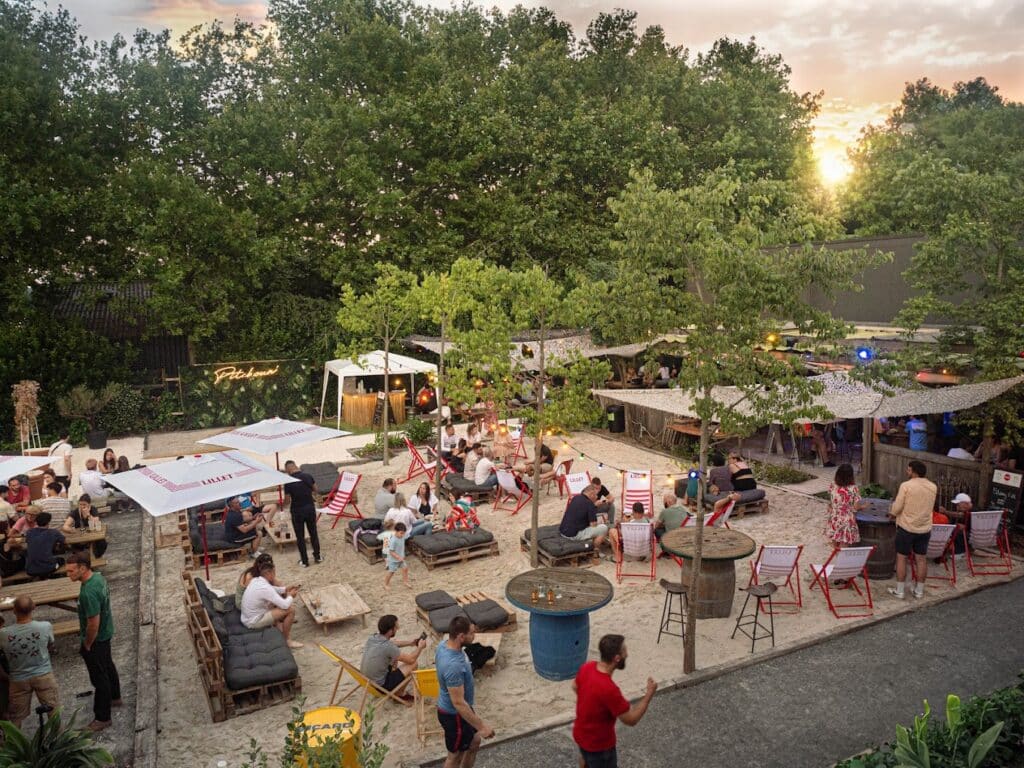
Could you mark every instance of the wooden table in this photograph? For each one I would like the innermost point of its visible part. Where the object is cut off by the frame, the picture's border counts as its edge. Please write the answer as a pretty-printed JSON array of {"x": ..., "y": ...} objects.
[
  {"x": 722, "y": 548},
  {"x": 877, "y": 529},
  {"x": 82, "y": 537},
  {"x": 338, "y": 602},
  {"x": 559, "y": 631},
  {"x": 55, "y": 592}
]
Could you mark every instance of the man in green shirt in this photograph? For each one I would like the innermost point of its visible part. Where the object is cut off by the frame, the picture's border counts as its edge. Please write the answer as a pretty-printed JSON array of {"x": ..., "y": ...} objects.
[
  {"x": 96, "y": 628},
  {"x": 671, "y": 517}
]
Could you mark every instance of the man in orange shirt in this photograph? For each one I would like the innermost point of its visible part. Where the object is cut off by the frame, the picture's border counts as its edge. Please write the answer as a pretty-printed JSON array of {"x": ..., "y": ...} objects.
[{"x": 912, "y": 509}]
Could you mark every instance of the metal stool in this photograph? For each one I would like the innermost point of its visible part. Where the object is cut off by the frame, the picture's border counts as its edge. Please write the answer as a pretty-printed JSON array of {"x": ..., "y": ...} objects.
[
  {"x": 673, "y": 589},
  {"x": 760, "y": 592}
]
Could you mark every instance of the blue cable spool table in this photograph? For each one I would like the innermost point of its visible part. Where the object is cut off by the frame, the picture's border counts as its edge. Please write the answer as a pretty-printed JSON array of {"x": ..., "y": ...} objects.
[{"x": 560, "y": 629}]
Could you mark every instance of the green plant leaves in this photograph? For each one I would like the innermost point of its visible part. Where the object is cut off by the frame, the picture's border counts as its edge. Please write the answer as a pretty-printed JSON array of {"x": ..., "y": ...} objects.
[{"x": 981, "y": 746}]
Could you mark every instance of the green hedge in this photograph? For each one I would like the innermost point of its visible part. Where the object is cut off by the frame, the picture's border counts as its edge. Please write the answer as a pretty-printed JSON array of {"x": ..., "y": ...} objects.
[{"x": 213, "y": 398}]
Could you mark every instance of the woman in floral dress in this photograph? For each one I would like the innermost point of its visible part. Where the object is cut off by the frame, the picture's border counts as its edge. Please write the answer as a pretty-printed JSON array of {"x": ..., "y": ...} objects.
[{"x": 844, "y": 502}]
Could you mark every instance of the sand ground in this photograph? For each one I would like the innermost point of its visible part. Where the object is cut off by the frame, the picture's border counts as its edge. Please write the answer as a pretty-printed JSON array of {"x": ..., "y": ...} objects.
[{"x": 512, "y": 697}]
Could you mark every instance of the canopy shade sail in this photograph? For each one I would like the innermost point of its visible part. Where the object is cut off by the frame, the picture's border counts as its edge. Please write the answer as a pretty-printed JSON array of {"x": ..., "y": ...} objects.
[
  {"x": 843, "y": 397},
  {"x": 12, "y": 466},
  {"x": 175, "y": 485},
  {"x": 370, "y": 364},
  {"x": 273, "y": 436}
]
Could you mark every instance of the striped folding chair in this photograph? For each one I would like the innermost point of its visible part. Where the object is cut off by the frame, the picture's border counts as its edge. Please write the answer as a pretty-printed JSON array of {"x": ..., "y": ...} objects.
[
  {"x": 940, "y": 547},
  {"x": 340, "y": 497},
  {"x": 636, "y": 539},
  {"x": 511, "y": 497},
  {"x": 781, "y": 565},
  {"x": 518, "y": 436},
  {"x": 988, "y": 544},
  {"x": 563, "y": 469},
  {"x": 846, "y": 566},
  {"x": 638, "y": 485},
  {"x": 417, "y": 466}
]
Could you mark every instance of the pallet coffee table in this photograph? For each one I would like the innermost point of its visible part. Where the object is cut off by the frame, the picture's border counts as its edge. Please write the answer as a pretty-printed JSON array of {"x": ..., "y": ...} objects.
[{"x": 334, "y": 603}]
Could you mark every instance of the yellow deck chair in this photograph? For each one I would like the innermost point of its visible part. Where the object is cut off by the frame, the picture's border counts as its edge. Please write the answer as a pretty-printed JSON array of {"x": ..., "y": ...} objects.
[
  {"x": 425, "y": 686},
  {"x": 364, "y": 683}
]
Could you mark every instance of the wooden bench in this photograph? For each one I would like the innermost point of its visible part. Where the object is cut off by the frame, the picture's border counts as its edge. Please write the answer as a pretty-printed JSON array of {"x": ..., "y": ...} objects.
[
  {"x": 20, "y": 577},
  {"x": 546, "y": 559},
  {"x": 471, "y": 597},
  {"x": 62, "y": 628},
  {"x": 461, "y": 555},
  {"x": 209, "y": 653},
  {"x": 373, "y": 553}
]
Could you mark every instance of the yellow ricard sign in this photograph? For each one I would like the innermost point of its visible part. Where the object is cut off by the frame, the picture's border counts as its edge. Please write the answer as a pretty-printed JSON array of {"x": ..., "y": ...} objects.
[{"x": 231, "y": 373}]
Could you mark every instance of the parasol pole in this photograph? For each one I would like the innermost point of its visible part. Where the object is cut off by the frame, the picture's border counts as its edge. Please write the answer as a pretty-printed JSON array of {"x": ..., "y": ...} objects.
[{"x": 206, "y": 550}]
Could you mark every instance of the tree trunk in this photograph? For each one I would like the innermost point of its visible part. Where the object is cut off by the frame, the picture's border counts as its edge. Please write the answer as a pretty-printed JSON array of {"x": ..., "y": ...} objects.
[
  {"x": 387, "y": 392},
  {"x": 988, "y": 431},
  {"x": 439, "y": 420},
  {"x": 690, "y": 643},
  {"x": 539, "y": 394}
]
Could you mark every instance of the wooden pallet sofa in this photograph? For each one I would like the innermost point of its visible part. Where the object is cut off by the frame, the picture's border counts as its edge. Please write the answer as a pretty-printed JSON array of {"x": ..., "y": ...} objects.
[
  {"x": 242, "y": 670},
  {"x": 368, "y": 545},
  {"x": 554, "y": 550},
  {"x": 435, "y": 611},
  {"x": 443, "y": 548},
  {"x": 221, "y": 551},
  {"x": 455, "y": 486}
]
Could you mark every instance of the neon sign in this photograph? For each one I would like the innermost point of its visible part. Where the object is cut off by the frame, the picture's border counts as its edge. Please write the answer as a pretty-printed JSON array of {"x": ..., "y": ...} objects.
[{"x": 234, "y": 373}]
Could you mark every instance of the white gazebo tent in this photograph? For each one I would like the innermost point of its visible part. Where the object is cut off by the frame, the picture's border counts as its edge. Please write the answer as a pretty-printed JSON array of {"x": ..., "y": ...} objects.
[
  {"x": 171, "y": 486},
  {"x": 370, "y": 364}
]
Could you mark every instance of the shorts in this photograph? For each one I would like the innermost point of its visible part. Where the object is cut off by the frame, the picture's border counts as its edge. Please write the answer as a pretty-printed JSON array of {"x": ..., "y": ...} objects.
[
  {"x": 606, "y": 758},
  {"x": 907, "y": 542},
  {"x": 458, "y": 734},
  {"x": 395, "y": 565},
  {"x": 392, "y": 679},
  {"x": 264, "y": 621},
  {"x": 591, "y": 533}
]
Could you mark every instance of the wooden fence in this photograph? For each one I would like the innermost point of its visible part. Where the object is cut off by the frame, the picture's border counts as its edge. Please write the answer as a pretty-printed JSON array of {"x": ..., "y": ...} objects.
[{"x": 953, "y": 476}]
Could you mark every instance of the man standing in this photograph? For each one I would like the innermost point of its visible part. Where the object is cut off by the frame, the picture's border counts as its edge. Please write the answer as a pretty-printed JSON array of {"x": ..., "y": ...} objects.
[
  {"x": 385, "y": 498},
  {"x": 303, "y": 509},
  {"x": 580, "y": 519},
  {"x": 60, "y": 460},
  {"x": 384, "y": 663},
  {"x": 912, "y": 509},
  {"x": 28, "y": 645},
  {"x": 463, "y": 727},
  {"x": 599, "y": 703},
  {"x": 917, "y": 431},
  {"x": 96, "y": 628}
]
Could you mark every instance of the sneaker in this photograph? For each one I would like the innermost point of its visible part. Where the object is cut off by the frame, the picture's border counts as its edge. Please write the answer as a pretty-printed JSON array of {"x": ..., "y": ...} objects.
[
  {"x": 317, "y": 559},
  {"x": 99, "y": 725},
  {"x": 295, "y": 644},
  {"x": 304, "y": 565},
  {"x": 919, "y": 593},
  {"x": 897, "y": 593}
]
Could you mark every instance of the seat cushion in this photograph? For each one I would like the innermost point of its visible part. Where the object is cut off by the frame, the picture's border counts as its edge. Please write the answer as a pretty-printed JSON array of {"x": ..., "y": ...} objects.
[
  {"x": 550, "y": 541},
  {"x": 324, "y": 474},
  {"x": 439, "y": 543},
  {"x": 441, "y": 618},
  {"x": 258, "y": 657},
  {"x": 367, "y": 524},
  {"x": 543, "y": 532},
  {"x": 431, "y": 601},
  {"x": 746, "y": 497},
  {"x": 460, "y": 484},
  {"x": 486, "y": 614}
]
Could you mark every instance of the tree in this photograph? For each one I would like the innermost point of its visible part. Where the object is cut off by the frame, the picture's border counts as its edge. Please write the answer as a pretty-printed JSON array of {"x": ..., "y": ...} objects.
[
  {"x": 705, "y": 252},
  {"x": 383, "y": 315}
]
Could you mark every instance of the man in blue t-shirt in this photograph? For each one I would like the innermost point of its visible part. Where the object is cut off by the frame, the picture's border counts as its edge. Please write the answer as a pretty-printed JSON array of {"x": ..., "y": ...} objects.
[
  {"x": 27, "y": 645},
  {"x": 917, "y": 429},
  {"x": 463, "y": 728},
  {"x": 580, "y": 519}
]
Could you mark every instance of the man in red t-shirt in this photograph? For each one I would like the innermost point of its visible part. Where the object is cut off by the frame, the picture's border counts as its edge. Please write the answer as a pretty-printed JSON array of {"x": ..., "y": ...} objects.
[
  {"x": 599, "y": 703},
  {"x": 18, "y": 495}
]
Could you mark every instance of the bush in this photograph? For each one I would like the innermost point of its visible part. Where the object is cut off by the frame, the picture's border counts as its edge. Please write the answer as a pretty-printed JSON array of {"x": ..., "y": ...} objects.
[
  {"x": 778, "y": 474},
  {"x": 874, "y": 491},
  {"x": 376, "y": 448},
  {"x": 420, "y": 432},
  {"x": 123, "y": 412}
]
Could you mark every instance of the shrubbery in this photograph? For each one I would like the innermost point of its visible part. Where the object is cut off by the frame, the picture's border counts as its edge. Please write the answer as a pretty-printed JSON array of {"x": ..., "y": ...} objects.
[{"x": 123, "y": 412}]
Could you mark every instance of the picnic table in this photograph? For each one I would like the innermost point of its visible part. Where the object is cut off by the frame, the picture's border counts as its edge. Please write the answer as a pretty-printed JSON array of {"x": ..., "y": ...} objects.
[
  {"x": 59, "y": 593},
  {"x": 721, "y": 549},
  {"x": 560, "y": 629}
]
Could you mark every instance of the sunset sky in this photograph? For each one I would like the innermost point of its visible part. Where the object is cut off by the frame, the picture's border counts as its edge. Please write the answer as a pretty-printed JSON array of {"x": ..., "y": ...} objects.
[{"x": 859, "y": 52}]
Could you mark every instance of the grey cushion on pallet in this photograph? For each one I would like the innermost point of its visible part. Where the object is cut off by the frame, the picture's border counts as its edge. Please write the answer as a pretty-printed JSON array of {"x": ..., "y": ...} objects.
[
  {"x": 431, "y": 601},
  {"x": 460, "y": 484},
  {"x": 549, "y": 540},
  {"x": 215, "y": 538},
  {"x": 439, "y": 543},
  {"x": 746, "y": 497},
  {"x": 367, "y": 524},
  {"x": 486, "y": 614},
  {"x": 324, "y": 474},
  {"x": 258, "y": 657},
  {"x": 441, "y": 618}
]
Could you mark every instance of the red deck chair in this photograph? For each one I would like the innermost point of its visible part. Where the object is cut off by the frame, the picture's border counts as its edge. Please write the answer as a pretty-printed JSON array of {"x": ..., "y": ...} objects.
[
  {"x": 575, "y": 483},
  {"x": 940, "y": 547},
  {"x": 340, "y": 497},
  {"x": 561, "y": 471},
  {"x": 446, "y": 467},
  {"x": 636, "y": 539},
  {"x": 638, "y": 485},
  {"x": 988, "y": 545},
  {"x": 518, "y": 436},
  {"x": 417, "y": 466},
  {"x": 775, "y": 563},
  {"x": 719, "y": 519},
  {"x": 511, "y": 498},
  {"x": 846, "y": 565}
]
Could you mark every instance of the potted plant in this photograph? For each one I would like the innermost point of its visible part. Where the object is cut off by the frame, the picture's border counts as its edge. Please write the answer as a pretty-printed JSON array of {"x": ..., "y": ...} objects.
[
  {"x": 86, "y": 404},
  {"x": 52, "y": 744}
]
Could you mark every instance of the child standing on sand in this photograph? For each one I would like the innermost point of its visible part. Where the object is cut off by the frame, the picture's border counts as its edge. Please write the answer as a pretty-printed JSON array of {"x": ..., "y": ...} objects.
[{"x": 395, "y": 549}]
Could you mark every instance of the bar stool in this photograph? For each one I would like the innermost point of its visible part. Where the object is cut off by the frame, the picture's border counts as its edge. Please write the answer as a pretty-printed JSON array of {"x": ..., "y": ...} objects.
[
  {"x": 748, "y": 624},
  {"x": 673, "y": 590}
]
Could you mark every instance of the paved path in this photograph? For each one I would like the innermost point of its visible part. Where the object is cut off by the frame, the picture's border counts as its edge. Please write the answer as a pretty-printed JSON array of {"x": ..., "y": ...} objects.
[{"x": 818, "y": 705}]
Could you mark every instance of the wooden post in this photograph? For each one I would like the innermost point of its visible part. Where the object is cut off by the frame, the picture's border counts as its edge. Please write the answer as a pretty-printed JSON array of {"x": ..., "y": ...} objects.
[{"x": 867, "y": 452}]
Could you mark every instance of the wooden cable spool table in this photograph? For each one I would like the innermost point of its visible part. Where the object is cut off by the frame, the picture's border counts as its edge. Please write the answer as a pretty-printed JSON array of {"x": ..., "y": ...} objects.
[
  {"x": 559, "y": 630},
  {"x": 877, "y": 529},
  {"x": 721, "y": 549}
]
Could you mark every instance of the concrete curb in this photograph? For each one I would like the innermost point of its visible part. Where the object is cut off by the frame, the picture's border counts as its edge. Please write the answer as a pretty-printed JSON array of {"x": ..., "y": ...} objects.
[
  {"x": 712, "y": 673},
  {"x": 147, "y": 682}
]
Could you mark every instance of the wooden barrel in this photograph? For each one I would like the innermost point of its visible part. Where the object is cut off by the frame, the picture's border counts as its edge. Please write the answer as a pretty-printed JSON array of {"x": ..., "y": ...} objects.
[
  {"x": 879, "y": 531},
  {"x": 717, "y": 588}
]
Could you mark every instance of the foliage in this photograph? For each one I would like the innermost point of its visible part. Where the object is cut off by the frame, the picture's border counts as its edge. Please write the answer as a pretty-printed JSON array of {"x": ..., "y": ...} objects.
[
  {"x": 987, "y": 730},
  {"x": 123, "y": 412},
  {"x": 419, "y": 431},
  {"x": 210, "y": 403},
  {"x": 779, "y": 474},
  {"x": 55, "y": 745},
  {"x": 375, "y": 448},
  {"x": 874, "y": 491},
  {"x": 86, "y": 404},
  {"x": 162, "y": 410}
]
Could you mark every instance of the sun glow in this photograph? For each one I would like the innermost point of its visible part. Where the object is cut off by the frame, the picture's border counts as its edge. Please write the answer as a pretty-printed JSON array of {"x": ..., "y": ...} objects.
[{"x": 833, "y": 167}]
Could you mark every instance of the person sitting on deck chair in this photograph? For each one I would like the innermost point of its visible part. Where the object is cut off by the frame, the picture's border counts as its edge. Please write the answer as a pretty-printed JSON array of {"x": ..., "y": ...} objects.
[{"x": 384, "y": 663}]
